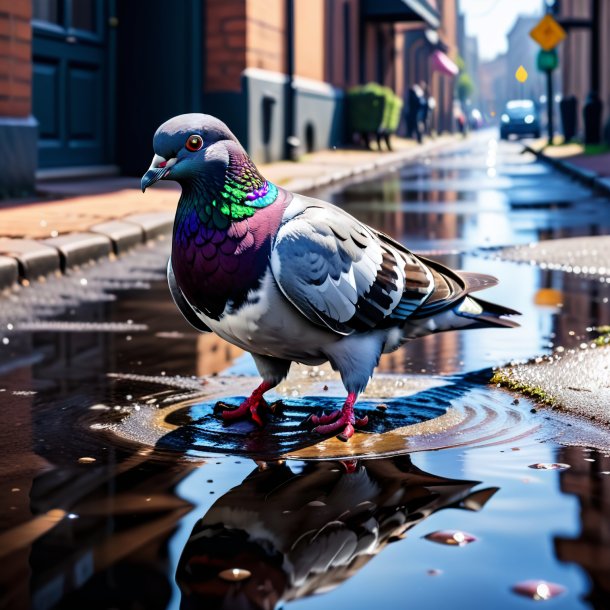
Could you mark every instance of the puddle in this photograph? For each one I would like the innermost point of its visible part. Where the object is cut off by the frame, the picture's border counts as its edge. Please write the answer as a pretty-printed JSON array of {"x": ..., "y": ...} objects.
[{"x": 119, "y": 488}]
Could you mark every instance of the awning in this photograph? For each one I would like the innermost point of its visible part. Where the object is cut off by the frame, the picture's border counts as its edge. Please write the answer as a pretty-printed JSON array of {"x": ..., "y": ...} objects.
[
  {"x": 400, "y": 10},
  {"x": 443, "y": 64}
]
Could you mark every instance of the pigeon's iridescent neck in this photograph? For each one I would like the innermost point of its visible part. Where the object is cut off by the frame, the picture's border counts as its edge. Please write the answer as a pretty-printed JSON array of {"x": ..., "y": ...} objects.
[{"x": 237, "y": 196}]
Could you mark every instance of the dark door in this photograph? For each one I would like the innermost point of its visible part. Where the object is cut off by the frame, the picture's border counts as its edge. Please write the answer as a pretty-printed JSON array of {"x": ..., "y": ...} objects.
[{"x": 70, "y": 84}]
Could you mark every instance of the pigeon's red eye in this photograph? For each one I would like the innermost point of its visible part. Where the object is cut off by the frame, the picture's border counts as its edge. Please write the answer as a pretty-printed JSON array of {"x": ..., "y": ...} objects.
[{"x": 194, "y": 143}]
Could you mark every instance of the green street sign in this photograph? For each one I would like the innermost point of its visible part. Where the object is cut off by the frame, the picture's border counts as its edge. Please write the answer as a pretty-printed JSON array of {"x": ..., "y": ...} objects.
[{"x": 547, "y": 61}]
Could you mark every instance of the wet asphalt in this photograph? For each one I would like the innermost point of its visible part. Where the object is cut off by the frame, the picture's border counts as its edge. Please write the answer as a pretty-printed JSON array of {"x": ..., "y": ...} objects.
[{"x": 118, "y": 489}]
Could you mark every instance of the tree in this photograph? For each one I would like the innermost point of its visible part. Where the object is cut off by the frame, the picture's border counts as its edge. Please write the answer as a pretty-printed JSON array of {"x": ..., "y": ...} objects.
[{"x": 465, "y": 86}]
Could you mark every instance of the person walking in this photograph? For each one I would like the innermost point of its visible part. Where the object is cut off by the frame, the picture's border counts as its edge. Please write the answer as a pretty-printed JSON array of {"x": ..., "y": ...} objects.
[
  {"x": 422, "y": 115},
  {"x": 413, "y": 112}
]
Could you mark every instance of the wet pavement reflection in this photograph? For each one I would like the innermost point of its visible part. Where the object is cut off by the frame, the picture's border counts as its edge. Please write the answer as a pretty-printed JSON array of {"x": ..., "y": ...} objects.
[{"x": 118, "y": 489}]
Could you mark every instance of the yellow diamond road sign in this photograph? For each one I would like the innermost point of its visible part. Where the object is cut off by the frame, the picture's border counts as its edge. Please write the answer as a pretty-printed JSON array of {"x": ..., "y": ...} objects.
[{"x": 548, "y": 33}]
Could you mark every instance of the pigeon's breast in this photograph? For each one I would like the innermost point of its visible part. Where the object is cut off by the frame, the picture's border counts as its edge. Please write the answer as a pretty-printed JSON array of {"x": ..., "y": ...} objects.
[{"x": 217, "y": 267}]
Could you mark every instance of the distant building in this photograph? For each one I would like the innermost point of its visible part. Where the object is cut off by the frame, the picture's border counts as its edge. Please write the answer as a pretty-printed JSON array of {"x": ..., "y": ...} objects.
[
  {"x": 84, "y": 83},
  {"x": 468, "y": 48},
  {"x": 429, "y": 56},
  {"x": 493, "y": 85},
  {"x": 522, "y": 51}
]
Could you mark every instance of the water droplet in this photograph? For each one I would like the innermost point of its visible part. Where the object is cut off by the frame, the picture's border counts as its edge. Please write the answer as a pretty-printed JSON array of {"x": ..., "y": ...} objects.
[
  {"x": 539, "y": 590},
  {"x": 235, "y": 574},
  {"x": 86, "y": 460},
  {"x": 9, "y": 326},
  {"x": 83, "y": 281},
  {"x": 451, "y": 537},
  {"x": 128, "y": 396},
  {"x": 54, "y": 233},
  {"x": 5, "y": 340},
  {"x": 549, "y": 466},
  {"x": 72, "y": 516}
]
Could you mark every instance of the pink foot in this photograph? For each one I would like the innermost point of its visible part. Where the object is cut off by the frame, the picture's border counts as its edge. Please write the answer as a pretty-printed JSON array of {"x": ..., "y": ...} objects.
[
  {"x": 341, "y": 423},
  {"x": 250, "y": 406}
]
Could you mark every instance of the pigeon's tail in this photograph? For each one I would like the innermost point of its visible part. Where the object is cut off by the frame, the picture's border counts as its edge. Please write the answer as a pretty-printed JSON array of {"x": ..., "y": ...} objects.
[
  {"x": 468, "y": 312},
  {"x": 483, "y": 314}
]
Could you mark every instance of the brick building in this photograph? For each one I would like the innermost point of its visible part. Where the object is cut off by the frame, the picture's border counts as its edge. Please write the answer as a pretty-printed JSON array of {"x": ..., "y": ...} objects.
[
  {"x": 428, "y": 56},
  {"x": 83, "y": 85},
  {"x": 584, "y": 55}
]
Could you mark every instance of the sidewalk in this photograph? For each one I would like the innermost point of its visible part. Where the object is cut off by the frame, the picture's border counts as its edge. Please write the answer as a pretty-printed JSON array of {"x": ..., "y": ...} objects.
[
  {"x": 590, "y": 165},
  {"x": 74, "y": 222}
]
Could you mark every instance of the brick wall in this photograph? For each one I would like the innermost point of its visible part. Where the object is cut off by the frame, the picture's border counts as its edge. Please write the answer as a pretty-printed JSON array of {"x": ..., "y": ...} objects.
[
  {"x": 225, "y": 45},
  {"x": 15, "y": 58},
  {"x": 266, "y": 44},
  {"x": 309, "y": 44}
]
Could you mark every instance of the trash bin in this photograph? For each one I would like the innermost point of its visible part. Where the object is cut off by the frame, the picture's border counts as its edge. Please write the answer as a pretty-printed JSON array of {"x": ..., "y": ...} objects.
[
  {"x": 592, "y": 116},
  {"x": 568, "y": 109}
]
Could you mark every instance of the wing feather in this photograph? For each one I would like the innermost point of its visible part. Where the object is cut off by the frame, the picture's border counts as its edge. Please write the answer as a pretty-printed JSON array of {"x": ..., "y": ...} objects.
[{"x": 340, "y": 273}]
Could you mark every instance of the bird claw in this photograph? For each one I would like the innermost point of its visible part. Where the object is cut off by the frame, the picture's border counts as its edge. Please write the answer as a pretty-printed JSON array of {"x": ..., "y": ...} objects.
[
  {"x": 321, "y": 420},
  {"x": 250, "y": 407},
  {"x": 344, "y": 425}
]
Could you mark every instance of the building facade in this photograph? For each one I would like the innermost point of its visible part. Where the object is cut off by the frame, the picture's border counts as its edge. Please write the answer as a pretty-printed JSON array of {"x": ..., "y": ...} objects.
[
  {"x": 84, "y": 85},
  {"x": 584, "y": 55}
]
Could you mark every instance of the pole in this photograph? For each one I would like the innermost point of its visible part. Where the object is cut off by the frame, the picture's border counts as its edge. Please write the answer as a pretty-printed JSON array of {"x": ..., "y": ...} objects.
[
  {"x": 549, "y": 103},
  {"x": 289, "y": 89},
  {"x": 595, "y": 45}
]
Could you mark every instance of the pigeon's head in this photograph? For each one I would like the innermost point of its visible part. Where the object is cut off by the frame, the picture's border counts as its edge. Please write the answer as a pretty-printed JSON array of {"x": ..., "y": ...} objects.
[{"x": 189, "y": 147}]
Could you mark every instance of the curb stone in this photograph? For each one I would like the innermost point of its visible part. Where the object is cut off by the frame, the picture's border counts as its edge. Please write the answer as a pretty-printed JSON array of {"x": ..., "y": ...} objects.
[
  {"x": 585, "y": 176},
  {"x": 79, "y": 248},
  {"x": 34, "y": 259},
  {"x": 123, "y": 235},
  {"x": 152, "y": 224},
  {"x": 9, "y": 272}
]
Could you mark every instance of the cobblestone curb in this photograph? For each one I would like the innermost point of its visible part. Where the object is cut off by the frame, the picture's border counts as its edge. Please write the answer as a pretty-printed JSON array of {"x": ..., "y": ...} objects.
[
  {"x": 585, "y": 176},
  {"x": 34, "y": 259}
]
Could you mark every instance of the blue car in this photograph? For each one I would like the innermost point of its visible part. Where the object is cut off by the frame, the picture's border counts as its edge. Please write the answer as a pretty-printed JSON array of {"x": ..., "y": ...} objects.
[{"x": 520, "y": 118}]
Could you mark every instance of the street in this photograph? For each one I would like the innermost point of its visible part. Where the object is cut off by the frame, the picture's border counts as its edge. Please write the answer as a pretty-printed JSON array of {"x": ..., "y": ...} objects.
[{"x": 118, "y": 483}]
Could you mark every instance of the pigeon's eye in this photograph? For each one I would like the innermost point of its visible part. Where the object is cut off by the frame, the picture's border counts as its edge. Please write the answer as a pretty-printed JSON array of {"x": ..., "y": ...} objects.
[{"x": 194, "y": 143}]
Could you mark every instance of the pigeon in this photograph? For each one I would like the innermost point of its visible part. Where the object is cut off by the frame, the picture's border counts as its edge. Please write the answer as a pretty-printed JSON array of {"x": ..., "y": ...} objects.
[
  {"x": 290, "y": 278},
  {"x": 301, "y": 531}
]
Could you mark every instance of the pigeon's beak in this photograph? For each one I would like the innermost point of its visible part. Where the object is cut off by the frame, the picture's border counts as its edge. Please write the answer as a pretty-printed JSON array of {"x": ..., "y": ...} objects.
[{"x": 159, "y": 168}]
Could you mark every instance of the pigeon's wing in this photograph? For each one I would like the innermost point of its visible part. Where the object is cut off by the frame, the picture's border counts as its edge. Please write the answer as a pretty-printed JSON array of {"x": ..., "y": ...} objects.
[
  {"x": 341, "y": 274},
  {"x": 182, "y": 304},
  {"x": 446, "y": 287}
]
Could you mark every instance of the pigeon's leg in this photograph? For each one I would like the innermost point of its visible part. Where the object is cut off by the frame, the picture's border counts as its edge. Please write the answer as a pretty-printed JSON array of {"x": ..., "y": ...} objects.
[
  {"x": 341, "y": 422},
  {"x": 272, "y": 370},
  {"x": 250, "y": 406}
]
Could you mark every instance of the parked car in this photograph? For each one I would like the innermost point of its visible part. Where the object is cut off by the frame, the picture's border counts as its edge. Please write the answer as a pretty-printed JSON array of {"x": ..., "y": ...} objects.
[
  {"x": 476, "y": 119},
  {"x": 520, "y": 117}
]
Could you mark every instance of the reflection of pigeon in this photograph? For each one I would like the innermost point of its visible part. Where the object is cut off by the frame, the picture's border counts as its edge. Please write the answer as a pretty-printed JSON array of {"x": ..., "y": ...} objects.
[
  {"x": 290, "y": 278},
  {"x": 305, "y": 531}
]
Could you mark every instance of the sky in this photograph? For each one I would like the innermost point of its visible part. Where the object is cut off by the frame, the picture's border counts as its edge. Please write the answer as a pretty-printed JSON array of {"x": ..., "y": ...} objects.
[{"x": 491, "y": 20}]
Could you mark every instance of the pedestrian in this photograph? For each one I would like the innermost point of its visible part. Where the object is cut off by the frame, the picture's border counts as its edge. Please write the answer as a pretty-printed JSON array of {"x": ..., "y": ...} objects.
[
  {"x": 422, "y": 115},
  {"x": 431, "y": 108},
  {"x": 413, "y": 110}
]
